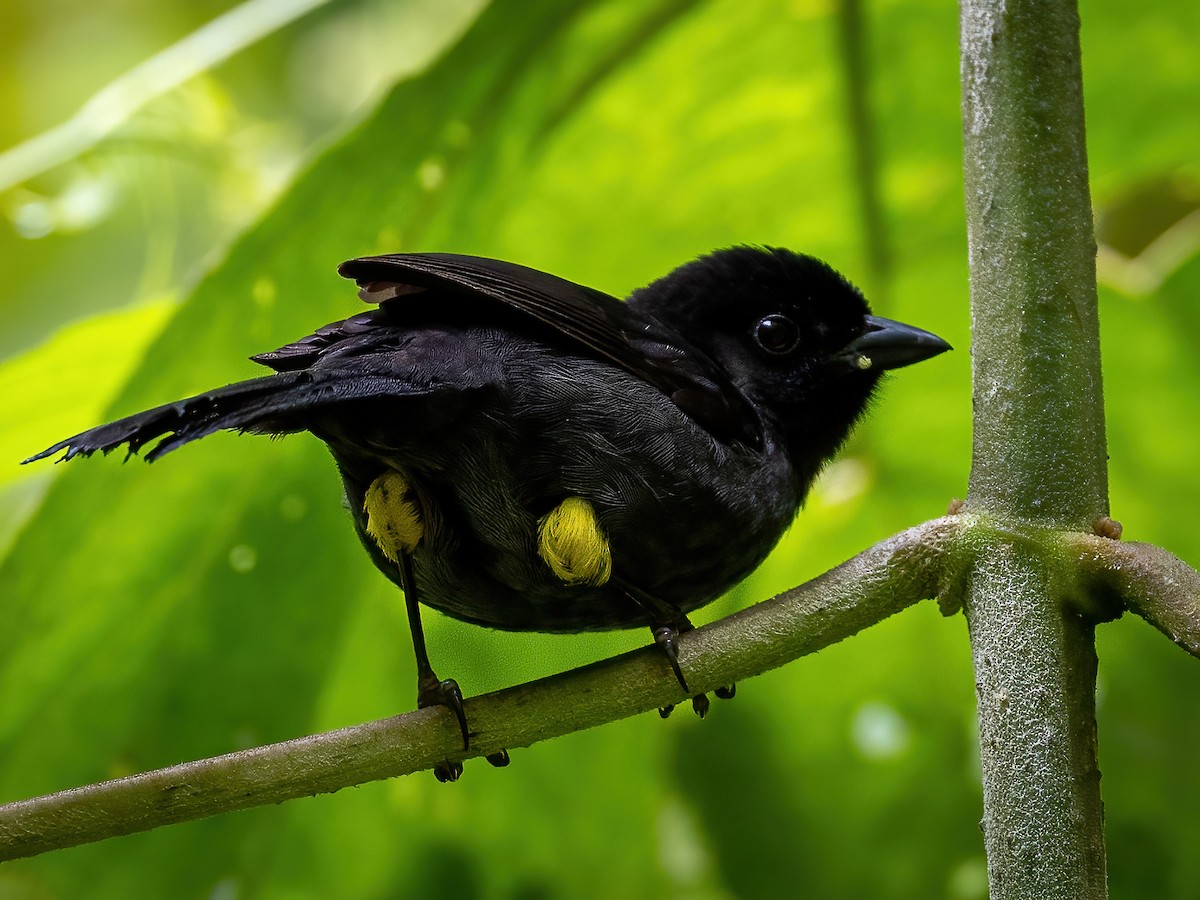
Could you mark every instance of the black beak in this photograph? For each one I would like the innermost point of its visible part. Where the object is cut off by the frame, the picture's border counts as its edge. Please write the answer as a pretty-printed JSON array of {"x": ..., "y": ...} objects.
[{"x": 887, "y": 344}]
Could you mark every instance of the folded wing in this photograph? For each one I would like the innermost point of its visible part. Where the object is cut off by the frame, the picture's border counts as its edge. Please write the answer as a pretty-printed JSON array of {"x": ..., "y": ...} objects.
[{"x": 403, "y": 284}]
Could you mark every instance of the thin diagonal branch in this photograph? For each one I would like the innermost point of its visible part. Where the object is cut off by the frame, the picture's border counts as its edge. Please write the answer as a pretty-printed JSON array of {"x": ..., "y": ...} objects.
[
  {"x": 1155, "y": 584},
  {"x": 877, "y": 583}
]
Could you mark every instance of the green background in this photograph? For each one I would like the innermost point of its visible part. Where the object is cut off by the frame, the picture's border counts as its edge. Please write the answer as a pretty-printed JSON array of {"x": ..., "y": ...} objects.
[{"x": 219, "y": 599}]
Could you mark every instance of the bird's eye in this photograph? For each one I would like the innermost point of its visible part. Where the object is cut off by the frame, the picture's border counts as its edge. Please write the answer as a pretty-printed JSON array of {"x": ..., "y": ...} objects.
[{"x": 777, "y": 334}]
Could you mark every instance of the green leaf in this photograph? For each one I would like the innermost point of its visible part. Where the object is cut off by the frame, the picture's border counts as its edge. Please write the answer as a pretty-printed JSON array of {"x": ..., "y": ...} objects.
[{"x": 84, "y": 365}]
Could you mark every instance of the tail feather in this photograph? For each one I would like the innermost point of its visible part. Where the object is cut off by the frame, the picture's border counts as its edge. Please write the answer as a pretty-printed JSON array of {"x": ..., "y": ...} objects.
[{"x": 276, "y": 404}]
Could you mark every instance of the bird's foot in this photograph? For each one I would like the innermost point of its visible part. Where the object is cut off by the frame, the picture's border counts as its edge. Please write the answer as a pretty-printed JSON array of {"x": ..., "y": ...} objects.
[
  {"x": 700, "y": 702},
  {"x": 448, "y": 770},
  {"x": 432, "y": 692},
  {"x": 667, "y": 639}
]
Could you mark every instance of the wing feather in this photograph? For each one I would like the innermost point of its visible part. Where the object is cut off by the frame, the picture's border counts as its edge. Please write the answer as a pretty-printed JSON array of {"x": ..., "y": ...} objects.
[{"x": 451, "y": 287}]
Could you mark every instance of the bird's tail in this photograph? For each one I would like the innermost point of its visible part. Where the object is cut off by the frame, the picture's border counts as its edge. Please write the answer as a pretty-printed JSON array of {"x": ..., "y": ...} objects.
[{"x": 277, "y": 404}]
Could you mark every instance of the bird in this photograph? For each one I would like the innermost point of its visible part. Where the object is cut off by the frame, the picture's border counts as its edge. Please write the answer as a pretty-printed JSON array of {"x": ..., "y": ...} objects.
[{"x": 526, "y": 453}]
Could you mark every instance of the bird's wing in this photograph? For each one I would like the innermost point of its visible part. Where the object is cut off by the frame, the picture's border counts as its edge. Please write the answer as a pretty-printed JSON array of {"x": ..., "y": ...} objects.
[
  {"x": 590, "y": 317},
  {"x": 443, "y": 287},
  {"x": 276, "y": 404}
]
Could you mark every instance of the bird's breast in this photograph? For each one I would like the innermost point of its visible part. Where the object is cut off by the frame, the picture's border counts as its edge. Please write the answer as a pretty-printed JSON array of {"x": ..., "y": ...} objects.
[{"x": 574, "y": 486}]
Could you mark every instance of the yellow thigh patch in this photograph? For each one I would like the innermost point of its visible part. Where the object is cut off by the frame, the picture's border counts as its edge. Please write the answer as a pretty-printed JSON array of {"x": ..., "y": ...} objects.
[
  {"x": 393, "y": 517},
  {"x": 572, "y": 544}
]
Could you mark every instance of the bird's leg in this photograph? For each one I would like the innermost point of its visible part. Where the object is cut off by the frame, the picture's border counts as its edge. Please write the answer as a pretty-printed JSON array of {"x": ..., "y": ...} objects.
[
  {"x": 395, "y": 523},
  {"x": 666, "y": 637},
  {"x": 430, "y": 690}
]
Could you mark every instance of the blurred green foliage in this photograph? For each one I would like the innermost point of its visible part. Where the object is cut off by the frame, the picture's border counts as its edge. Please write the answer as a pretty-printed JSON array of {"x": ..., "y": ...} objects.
[{"x": 219, "y": 599}]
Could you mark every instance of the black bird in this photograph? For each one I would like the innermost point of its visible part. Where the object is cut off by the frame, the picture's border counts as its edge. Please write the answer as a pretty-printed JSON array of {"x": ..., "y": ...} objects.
[{"x": 529, "y": 454}]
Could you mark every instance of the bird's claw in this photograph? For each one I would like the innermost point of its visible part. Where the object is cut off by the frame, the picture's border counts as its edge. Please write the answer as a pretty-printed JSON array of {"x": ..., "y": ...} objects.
[
  {"x": 446, "y": 693},
  {"x": 667, "y": 638},
  {"x": 447, "y": 771}
]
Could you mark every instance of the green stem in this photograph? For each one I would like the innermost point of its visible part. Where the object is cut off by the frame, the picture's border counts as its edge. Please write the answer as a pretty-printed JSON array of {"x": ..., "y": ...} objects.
[
  {"x": 1039, "y": 456},
  {"x": 1035, "y": 675},
  {"x": 1039, "y": 449},
  {"x": 1154, "y": 584}
]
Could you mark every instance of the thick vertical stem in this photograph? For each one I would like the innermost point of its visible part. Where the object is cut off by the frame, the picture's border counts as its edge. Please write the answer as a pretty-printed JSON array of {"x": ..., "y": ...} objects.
[
  {"x": 1039, "y": 447},
  {"x": 1035, "y": 676}
]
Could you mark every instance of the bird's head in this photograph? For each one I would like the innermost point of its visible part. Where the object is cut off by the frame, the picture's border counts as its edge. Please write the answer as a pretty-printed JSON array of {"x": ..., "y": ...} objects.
[{"x": 795, "y": 338}]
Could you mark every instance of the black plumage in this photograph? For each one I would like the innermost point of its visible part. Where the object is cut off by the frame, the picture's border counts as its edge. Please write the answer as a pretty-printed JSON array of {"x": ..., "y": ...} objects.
[{"x": 692, "y": 419}]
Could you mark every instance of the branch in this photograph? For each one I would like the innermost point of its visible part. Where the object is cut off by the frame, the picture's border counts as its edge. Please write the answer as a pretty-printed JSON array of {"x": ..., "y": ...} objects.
[
  {"x": 877, "y": 583},
  {"x": 1158, "y": 586}
]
